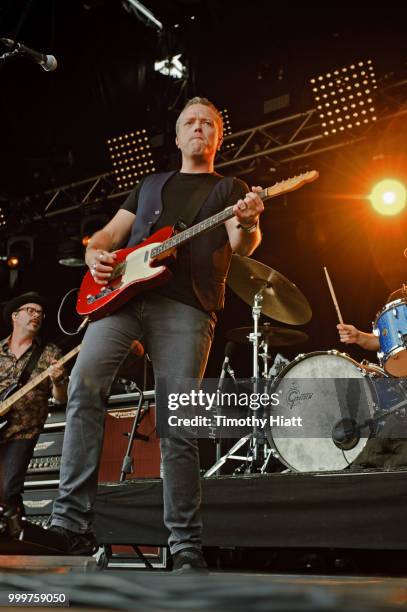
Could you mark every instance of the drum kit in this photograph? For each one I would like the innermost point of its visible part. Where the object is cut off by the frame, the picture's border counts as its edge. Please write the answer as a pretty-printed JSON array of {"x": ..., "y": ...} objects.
[{"x": 346, "y": 429}]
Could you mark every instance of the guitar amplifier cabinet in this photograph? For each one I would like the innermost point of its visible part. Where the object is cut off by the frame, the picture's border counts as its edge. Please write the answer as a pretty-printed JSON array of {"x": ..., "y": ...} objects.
[
  {"x": 38, "y": 505},
  {"x": 119, "y": 421},
  {"x": 42, "y": 480},
  {"x": 56, "y": 418},
  {"x": 43, "y": 469}
]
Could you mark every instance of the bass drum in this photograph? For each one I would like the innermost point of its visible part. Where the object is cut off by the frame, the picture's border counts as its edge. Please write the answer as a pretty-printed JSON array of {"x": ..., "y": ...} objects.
[{"x": 321, "y": 389}]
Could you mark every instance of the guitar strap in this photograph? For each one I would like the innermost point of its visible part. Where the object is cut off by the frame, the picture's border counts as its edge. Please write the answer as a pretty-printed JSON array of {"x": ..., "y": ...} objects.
[
  {"x": 29, "y": 366},
  {"x": 197, "y": 200}
]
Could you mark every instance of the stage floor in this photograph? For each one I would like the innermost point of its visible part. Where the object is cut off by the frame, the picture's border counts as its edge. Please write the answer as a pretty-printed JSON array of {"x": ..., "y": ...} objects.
[{"x": 157, "y": 591}]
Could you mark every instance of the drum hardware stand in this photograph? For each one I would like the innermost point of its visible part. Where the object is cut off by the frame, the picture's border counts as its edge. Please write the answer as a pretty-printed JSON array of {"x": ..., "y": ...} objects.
[
  {"x": 265, "y": 357},
  {"x": 256, "y": 463},
  {"x": 226, "y": 369},
  {"x": 254, "y": 439}
]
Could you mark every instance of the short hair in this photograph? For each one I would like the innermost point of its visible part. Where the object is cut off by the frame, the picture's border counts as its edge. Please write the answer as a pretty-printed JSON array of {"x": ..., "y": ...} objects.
[{"x": 205, "y": 102}]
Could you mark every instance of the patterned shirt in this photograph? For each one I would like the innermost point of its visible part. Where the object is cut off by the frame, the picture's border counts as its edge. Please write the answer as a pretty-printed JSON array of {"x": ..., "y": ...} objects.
[{"x": 27, "y": 416}]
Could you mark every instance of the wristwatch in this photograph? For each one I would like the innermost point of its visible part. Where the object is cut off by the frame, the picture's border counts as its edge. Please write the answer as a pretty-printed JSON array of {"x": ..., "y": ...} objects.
[{"x": 250, "y": 229}]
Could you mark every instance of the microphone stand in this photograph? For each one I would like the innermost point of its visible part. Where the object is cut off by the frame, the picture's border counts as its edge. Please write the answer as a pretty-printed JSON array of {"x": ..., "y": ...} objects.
[
  {"x": 354, "y": 429},
  {"x": 10, "y": 55},
  {"x": 127, "y": 465}
]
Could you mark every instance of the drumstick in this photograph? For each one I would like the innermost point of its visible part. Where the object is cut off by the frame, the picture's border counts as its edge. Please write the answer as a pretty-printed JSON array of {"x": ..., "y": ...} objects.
[{"x": 331, "y": 289}]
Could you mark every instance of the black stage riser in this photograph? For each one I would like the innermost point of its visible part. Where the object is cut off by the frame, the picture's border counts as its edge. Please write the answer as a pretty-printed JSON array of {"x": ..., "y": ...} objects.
[{"x": 357, "y": 511}]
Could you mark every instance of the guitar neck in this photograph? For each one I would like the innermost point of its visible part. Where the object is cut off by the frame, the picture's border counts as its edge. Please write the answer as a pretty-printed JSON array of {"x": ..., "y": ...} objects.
[
  {"x": 227, "y": 213},
  {"x": 200, "y": 228},
  {"x": 8, "y": 403}
]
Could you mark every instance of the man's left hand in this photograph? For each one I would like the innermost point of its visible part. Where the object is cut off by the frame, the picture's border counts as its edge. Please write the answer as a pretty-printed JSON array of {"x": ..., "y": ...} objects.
[
  {"x": 248, "y": 210},
  {"x": 56, "y": 372}
]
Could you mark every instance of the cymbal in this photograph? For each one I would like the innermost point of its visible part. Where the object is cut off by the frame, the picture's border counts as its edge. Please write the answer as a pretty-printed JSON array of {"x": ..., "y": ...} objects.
[
  {"x": 275, "y": 336},
  {"x": 282, "y": 300}
]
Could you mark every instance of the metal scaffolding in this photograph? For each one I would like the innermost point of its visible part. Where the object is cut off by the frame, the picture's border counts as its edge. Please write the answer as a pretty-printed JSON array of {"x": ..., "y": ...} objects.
[{"x": 282, "y": 141}]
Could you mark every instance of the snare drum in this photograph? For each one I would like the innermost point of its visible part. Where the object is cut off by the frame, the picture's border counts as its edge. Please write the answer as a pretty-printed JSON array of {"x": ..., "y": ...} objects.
[
  {"x": 321, "y": 388},
  {"x": 390, "y": 327}
]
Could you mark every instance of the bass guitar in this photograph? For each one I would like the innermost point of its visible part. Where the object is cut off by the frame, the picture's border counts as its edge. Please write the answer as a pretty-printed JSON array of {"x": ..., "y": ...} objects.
[{"x": 12, "y": 394}]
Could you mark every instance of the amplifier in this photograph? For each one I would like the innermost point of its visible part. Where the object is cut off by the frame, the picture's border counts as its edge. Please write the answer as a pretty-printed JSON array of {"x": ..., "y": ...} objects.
[
  {"x": 43, "y": 469},
  {"x": 119, "y": 421},
  {"x": 41, "y": 465},
  {"x": 49, "y": 445},
  {"x": 38, "y": 505},
  {"x": 130, "y": 399}
]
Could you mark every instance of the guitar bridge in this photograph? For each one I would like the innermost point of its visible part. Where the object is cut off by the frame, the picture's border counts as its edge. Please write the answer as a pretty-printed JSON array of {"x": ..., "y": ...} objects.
[{"x": 102, "y": 293}]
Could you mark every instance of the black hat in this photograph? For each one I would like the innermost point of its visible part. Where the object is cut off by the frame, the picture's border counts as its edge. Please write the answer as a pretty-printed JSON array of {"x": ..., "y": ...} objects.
[{"x": 26, "y": 298}]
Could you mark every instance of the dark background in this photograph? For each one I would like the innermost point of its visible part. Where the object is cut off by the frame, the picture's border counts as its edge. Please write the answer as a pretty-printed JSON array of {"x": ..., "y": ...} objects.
[{"x": 54, "y": 128}]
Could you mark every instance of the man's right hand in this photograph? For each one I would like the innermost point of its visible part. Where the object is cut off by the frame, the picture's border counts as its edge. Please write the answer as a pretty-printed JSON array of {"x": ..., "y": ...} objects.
[
  {"x": 348, "y": 333},
  {"x": 101, "y": 264}
]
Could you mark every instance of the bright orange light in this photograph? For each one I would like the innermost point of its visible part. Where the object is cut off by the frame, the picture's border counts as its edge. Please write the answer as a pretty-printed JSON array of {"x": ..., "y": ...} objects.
[
  {"x": 388, "y": 197},
  {"x": 13, "y": 262},
  {"x": 86, "y": 240}
]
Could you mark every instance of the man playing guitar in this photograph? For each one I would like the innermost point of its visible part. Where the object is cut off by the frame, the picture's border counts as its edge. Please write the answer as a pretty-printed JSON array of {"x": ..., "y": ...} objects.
[
  {"x": 21, "y": 427},
  {"x": 175, "y": 322}
]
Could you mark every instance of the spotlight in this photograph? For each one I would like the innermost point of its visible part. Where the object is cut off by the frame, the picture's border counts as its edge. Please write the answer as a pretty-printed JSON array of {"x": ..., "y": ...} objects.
[
  {"x": 171, "y": 66},
  {"x": 13, "y": 262},
  {"x": 388, "y": 197},
  {"x": 348, "y": 88},
  {"x": 227, "y": 128},
  {"x": 20, "y": 251},
  {"x": 131, "y": 158}
]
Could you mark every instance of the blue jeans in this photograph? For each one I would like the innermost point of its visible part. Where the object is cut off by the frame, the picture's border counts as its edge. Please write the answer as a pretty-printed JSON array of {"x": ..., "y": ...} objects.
[{"x": 178, "y": 339}]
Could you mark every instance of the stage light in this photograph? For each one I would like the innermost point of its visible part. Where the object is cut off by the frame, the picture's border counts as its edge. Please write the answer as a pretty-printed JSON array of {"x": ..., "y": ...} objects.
[
  {"x": 91, "y": 224},
  {"x": 133, "y": 153},
  {"x": 13, "y": 262},
  {"x": 227, "y": 128},
  {"x": 171, "y": 66},
  {"x": 142, "y": 13},
  {"x": 71, "y": 253},
  {"x": 20, "y": 251},
  {"x": 353, "y": 85},
  {"x": 388, "y": 197}
]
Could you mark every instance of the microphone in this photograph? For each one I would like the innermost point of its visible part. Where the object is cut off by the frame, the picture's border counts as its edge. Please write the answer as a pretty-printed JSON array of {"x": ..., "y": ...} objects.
[
  {"x": 346, "y": 433},
  {"x": 137, "y": 349},
  {"x": 47, "y": 62}
]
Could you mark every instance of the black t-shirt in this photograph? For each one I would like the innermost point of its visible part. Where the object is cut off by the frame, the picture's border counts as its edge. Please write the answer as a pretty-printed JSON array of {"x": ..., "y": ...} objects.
[{"x": 176, "y": 194}]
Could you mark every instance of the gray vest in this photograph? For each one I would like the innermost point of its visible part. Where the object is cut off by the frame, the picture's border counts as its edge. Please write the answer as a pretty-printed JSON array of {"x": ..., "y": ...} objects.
[{"x": 210, "y": 252}]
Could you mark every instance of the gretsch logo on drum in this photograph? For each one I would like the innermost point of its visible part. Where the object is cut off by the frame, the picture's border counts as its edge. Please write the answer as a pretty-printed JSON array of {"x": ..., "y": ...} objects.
[{"x": 294, "y": 396}]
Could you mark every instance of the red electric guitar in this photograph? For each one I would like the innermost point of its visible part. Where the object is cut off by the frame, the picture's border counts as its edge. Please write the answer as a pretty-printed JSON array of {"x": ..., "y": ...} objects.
[{"x": 142, "y": 267}]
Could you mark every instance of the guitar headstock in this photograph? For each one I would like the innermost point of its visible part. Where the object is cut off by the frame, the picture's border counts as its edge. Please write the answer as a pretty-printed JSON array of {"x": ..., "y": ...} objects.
[{"x": 291, "y": 184}]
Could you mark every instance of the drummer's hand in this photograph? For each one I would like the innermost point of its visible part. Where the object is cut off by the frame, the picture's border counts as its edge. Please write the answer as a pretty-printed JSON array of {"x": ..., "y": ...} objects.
[{"x": 348, "y": 333}]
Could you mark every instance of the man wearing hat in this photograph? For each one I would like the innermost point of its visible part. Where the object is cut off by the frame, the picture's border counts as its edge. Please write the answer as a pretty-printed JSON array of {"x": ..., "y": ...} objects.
[{"x": 22, "y": 358}]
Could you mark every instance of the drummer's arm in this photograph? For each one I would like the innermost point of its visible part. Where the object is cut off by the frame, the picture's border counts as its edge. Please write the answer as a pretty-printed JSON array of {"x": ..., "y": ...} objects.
[{"x": 349, "y": 334}]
